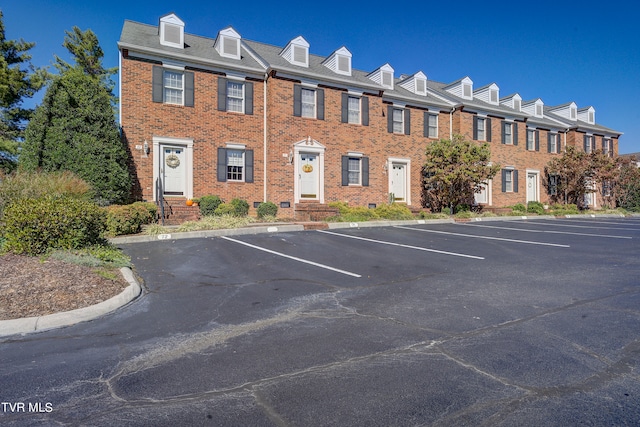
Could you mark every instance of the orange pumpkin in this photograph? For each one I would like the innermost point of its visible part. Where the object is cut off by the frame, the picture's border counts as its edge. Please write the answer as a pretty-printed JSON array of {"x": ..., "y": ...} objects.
[{"x": 189, "y": 202}]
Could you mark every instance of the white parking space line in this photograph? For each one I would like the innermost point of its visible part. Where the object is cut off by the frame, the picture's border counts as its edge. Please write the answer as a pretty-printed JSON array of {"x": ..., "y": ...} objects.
[
  {"x": 561, "y": 223},
  {"x": 348, "y": 273},
  {"x": 549, "y": 231},
  {"x": 382, "y": 242},
  {"x": 592, "y": 221},
  {"x": 484, "y": 237}
]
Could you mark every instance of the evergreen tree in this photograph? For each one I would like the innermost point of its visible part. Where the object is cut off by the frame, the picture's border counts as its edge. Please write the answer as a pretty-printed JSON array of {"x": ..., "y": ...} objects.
[
  {"x": 18, "y": 80},
  {"x": 75, "y": 129}
]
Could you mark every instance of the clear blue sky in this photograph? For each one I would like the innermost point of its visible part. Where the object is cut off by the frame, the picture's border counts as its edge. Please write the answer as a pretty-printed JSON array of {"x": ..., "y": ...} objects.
[{"x": 586, "y": 52}]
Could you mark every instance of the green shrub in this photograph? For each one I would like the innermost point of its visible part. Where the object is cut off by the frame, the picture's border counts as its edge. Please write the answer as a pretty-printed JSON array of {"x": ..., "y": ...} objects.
[
  {"x": 33, "y": 185},
  {"x": 240, "y": 207},
  {"x": 128, "y": 219},
  {"x": 224, "y": 209},
  {"x": 267, "y": 209},
  {"x": 463, "y": 208},
  {"x": 464, "y": 214},
  {"x": 535, "y": 207},
  {"x": 568, "y": 209},
  {"x": 394, "y": 211},
  {"x": 519, "y": 207},
  {"x": 34, "y": 226},
  {"x": 208, "y": 205}
]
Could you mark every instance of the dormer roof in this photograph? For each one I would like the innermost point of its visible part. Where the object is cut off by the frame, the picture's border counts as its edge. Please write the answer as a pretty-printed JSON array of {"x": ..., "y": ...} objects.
[
  {"x": 171, "y": 31},
  {"x": 297, "y": 52},
  {"x": 567, "y": 111},
  {"x": 416, "y": 83},
  {"x": 228, "y": 43},
  {"x": 512, "y": 101},
  {"x": 587, "y": 114},
  {"x": 489, "y": 94},
  {"x": 535, "y": 107},
  {"x": 339, "y": 61},
  {"x": 383, "y": 76},
  {"x": 462, "y": 88}
]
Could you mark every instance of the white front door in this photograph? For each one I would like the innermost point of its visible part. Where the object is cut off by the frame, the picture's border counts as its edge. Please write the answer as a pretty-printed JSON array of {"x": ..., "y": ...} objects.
[
  {"x": 532, "y": 187},
  {"x": 172, "y": 170},
  {"x": 308, "y": 176},
  {"x": 399, "y": 182},
  {"x": 481, "y": 197}
]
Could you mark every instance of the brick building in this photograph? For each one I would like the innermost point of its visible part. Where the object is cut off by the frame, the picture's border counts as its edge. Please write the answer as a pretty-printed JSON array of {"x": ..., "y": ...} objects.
[{"x": 238, "y": 118}]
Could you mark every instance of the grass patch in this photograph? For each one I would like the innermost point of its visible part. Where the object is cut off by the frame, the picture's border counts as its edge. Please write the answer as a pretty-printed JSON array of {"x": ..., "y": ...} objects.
[
  {"x": 94, "y": 256},
  {"x": 210, "y": 222}
]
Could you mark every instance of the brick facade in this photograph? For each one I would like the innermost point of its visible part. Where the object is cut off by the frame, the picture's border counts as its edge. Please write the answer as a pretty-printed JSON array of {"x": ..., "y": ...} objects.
[{"x": 203, "y": 129}]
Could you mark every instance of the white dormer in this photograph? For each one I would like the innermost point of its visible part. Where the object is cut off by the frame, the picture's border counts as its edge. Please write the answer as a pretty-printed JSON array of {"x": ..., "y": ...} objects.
[
  {"x": 489, "y": 94},
  {"x": 568, "y": 111},
  {"x": 416, "y": 83},
  {"x": 588, "y": 115},
  {"x": 512, "y": 101},
  {"x": 462, "y": 88},
  {"x": 228, "y": 43},
  {"x": 383, "y": 76},
  {"x": 534, "y": 108},
  {"x": 297, "y": 52},
  {"x": 339, "y": 61},
  {"x": 171, "y": 31}
]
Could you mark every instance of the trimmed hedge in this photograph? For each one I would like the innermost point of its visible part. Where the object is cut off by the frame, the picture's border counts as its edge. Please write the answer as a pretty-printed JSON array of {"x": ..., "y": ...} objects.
[
  {"x": 267, "y": 209},
  {"x": 33, "y": 226},
  {"x": 128, "y": 219},
  {"x": 208, "y": 205}
]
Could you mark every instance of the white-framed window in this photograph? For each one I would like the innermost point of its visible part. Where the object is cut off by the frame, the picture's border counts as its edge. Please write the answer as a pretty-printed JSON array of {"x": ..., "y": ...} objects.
[
  {"x": 553, "y": 142},
  {"x": 493, "y": 96},
  {"x": 398, "y": 120},
  {"x": 508, "y": 133},
  {"x": 432, "y": 124},
  {"x": 508, "y": 180},
  {"x": 588, "y": 144},
  {"x": 355, "y": 171},
  {"x": 481, "y": 124},
  {"x": 308, "y": 97},
  {"x": 354, "y": 110},
  {"x": 466, "y": 90},
  {"x": 553, "y": 185},
  {"x": 573, "y": 113},
  {"x": 538, "y": 110},
  {"x": 235, "y": 165},
  {"x": 235, "y": 96},
  {"x": 607, "y": 147},
  {"x": 173, "y": 84},
  {"x": 531, "y": 140},
  {"x": 516, "y": 104}
]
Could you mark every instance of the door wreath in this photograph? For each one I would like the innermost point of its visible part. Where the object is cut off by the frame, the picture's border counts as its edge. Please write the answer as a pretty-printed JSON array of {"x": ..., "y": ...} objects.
[
  {"x": 172, "y": 161},
  {"x": 307, "y": 168}
]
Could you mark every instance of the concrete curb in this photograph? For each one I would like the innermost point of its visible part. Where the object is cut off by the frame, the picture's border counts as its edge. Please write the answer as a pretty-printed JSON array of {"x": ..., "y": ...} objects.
[{"x": 68, "y": 318}]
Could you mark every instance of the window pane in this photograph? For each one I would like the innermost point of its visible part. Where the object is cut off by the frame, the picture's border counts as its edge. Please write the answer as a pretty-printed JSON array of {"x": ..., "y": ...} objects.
[
  {"x": 235, "y": 97},
  {"x": 354, "y": 110},
  {"x": 172, "y": 87},
  {"x": 354, "y": 170},
  {"x": 508, "y": 138},
  {"x": 397, "y": 121},
  {"x": 530, "y": 140},
  {"x": 235, "y": 165},
  {"x": 509, "y": 181},
  {"x": 433, "y": 126},
  {"x": 481, "y": 130},
  {"x": 308, "y": 103}
]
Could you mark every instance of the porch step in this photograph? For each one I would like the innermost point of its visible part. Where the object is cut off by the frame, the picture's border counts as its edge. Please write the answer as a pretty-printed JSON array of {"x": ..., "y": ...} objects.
[
  {"x": 176, "y": 212},
  {"x": 308, "y": 212}
]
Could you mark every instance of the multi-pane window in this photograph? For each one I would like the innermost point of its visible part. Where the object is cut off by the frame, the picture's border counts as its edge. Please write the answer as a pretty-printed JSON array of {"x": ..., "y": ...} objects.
[
  {"x": 354, "y": 171},
  {"x": 481, "y": 122},
  {"x": 553, "y": 185},
  {"x": 508, "y": 180},
  {"x": 508, "y": 133},
  {"x": 588, "y": 143},
  {"x": 531, "y": 140},
  {"x": 398, "y": 122},
  {"x": 308, "y": 97},
  {"x": 173, "y": 87},
  {"x": 354, "y": 109},
  {"x": 235, "y": 165},
  {"x": 432, "y": 123},
  {"x": 235, "y": 97},
  {"x": 607, "y": 147}
]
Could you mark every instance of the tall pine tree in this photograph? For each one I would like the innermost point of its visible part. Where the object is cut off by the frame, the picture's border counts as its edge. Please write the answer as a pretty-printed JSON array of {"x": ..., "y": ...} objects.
[
  {"x": 75, "y": 128},
  {"x": 18, "y": 80}
]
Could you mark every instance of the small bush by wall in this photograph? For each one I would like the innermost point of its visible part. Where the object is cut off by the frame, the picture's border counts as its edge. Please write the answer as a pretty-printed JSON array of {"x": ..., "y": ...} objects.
[
  {"x": 267, "y": 209},
  {"x": 535, "y": 207},
  {"x": 34, "y": 226},
  {"x": 208, "y": 205},
  {"x": 128, "y": 219}
]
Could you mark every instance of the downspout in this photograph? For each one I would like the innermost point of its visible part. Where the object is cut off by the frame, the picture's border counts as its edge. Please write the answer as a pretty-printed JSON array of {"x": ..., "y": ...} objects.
[
  {"x": 451, "y": 122},
  {"x": 264, "y": 142}
]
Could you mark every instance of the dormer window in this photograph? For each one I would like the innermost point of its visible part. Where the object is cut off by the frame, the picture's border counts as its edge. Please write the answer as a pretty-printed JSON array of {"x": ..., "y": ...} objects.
[
  {"x": 493, "y": 96},
  {"x": 228, "y": 43},
  {"x": 517, "y": 104},
  {"x": 172, "y": 31},
  {"x": 488, "y": 94},
  {"x": 534, "y": 108},
  {"x": 512, "y": 101},
  {"x": 297, "y": 52},
  {"x": 539, "y": 110},
  {"x": 587, "y": 114},
  {"x": 383, "y": 76},
  {"x": 339, "y": 61},
  {"x": 572, "y": 113},
  {"x": 590, "y": 117},
  {"x": 466, "y": 90},
  {"x": 416, "y": 83},
  {"x": 462, "y": 88}
]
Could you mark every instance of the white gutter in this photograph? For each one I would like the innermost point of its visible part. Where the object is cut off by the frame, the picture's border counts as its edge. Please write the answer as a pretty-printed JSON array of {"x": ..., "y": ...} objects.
[
  {"x": 264, "y": 147},
  {"x": 120, "y": 88}
]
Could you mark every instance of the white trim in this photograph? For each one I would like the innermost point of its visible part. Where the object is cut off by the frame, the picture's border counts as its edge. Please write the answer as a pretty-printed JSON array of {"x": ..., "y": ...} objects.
[
  {"x": 407, "y": 171},
  {"x": 311, "y": 146},
  {"x": 535, "y": 172},
  {"x": 235, "y": 146},
  {"x": 187, "y": 144}
]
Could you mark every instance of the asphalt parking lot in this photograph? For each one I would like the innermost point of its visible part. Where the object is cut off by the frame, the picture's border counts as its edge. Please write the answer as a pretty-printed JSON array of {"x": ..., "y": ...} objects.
[{"x": 494, "y": 323}]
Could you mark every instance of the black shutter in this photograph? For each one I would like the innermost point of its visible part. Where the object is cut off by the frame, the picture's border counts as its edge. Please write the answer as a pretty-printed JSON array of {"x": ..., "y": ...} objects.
[
  {"x": 514, "y": 133},
  {"x": 475, "y": 128},
  {"x": 188, "y": 89},
  {"x": 549, "y": 135},
  {"x": 158, "y": 86},
  {"x": 345, "y": 108},
  {"x": 222, "y": 164},
  {"x": 365, "y": 111},
  {"x": 248, "y": 98},
  {"x": 390, "y": 118},
  {"x": 365, "y": 171},
  {"x": 558, "y": 144},
  {"x": 345, "y": 170},
  {"x": 537, "y": 140},
  {"x": 515, "y": 181},
  {"x": 504, "y": 180},
  {"x": 222, "y": 94},
  {"x": 426, "y": 124},
  {"x": 320, "y": 108},
  {"x": 297, "y": 100},
  {"x": 407, "y": 121},
  {"x": 503, "y": 125},
  {"x": 248, "y": 166},
  {"x": 487, "y": 126},
  {"x": 584, "y": 143}
]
